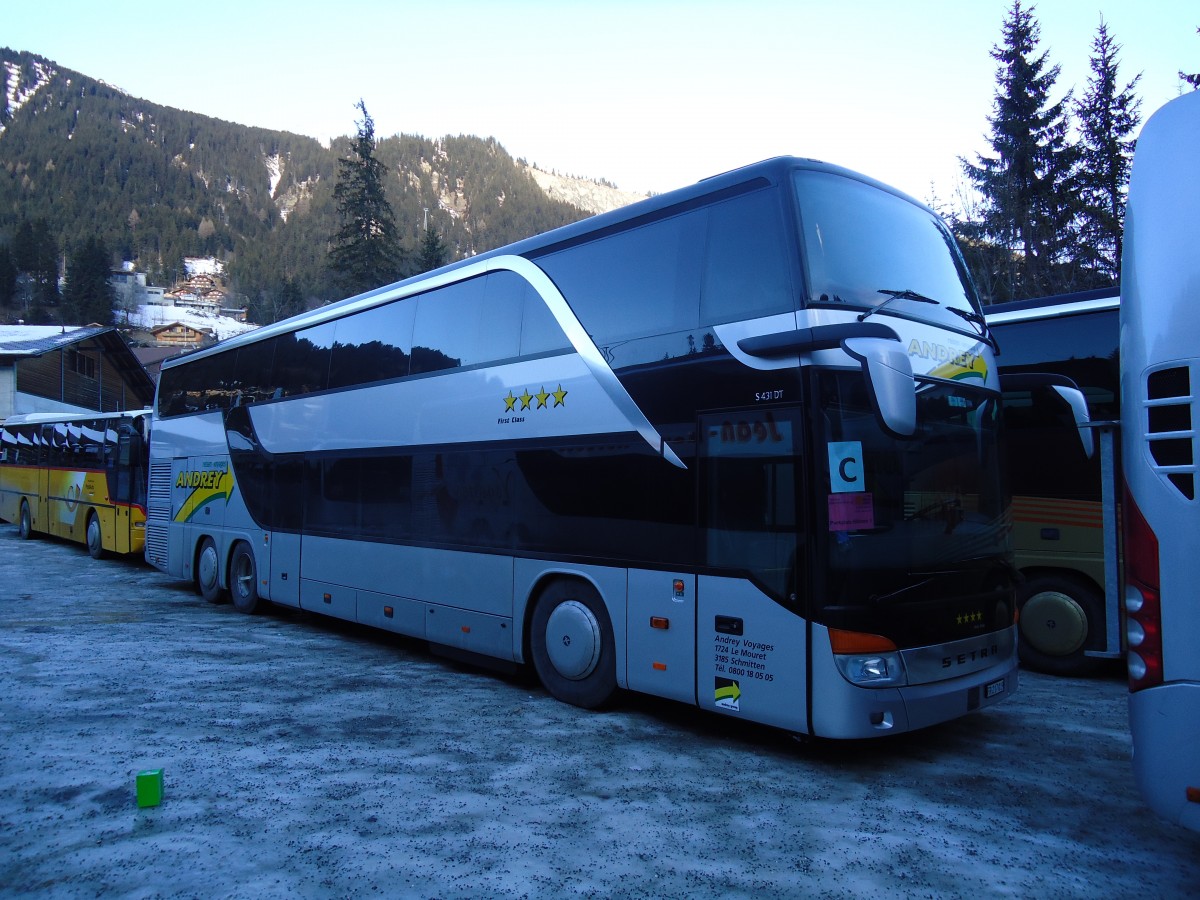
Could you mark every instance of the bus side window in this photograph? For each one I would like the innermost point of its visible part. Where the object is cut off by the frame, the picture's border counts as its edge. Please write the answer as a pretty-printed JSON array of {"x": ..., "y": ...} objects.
[
  {"x": 636, "y": 283},
  {"x": 746, "y": 272},
  {"x": 301, "y": 361},
  {"x": 503, "y": 306},
  {"x": 373, "y": 345},
  {"x": 448, "y": 329}
]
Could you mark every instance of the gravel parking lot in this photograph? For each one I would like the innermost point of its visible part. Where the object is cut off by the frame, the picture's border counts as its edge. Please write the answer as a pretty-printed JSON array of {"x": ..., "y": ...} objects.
[{"x": 306, "y": 757}]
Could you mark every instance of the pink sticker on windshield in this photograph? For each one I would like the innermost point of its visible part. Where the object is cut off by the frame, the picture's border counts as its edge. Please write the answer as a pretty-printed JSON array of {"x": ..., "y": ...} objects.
[{"x": 851, "y": 512}]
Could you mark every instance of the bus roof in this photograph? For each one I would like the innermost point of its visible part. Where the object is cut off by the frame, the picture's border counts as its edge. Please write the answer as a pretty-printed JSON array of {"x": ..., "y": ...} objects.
[
  {"x": 731, "y": 183},
  {"x": 51, "y": 417},
  {"x": 1053, "y": 306}
]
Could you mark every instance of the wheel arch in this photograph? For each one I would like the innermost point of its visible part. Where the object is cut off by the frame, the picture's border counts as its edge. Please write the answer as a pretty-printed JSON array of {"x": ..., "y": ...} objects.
[
  {"x": 1085, "y": 596},
  {"x": 610, "y": 585},
  {"x": 226, "y": 542},
  {"x": 236, "y": 542},
  {"x": 92, "y": 514},
  {"x": 1067, "y": 574},
  {"x": 198, "y": 540}
]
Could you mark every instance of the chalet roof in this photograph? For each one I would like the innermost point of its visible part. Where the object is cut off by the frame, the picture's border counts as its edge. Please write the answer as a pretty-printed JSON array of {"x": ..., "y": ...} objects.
[
  {"x": 19, "y": 342},
  {"x": 201, "y": 286},
  {"x": 166, "y": 326},
  {"x": 34, "y": 340}
]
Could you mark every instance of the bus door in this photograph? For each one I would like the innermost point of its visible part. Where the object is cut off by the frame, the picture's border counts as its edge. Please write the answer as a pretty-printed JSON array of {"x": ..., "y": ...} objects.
[
  {"x": 285, "y": 568},
  {"x": 750, "y": 638},
  {"x": 287, "y": 503}
]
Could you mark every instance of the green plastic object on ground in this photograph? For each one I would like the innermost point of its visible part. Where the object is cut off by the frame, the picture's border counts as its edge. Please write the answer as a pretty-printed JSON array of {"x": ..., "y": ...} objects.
[{"x": 149, "y": 787}]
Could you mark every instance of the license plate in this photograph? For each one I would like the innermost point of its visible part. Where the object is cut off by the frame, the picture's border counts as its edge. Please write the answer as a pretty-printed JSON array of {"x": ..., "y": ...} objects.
[{"x": 993, "y": 689}]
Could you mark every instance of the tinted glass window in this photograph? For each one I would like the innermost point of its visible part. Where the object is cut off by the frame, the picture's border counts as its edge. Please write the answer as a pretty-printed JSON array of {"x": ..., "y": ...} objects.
[
  {"x": 252, "y": 372},
  {"x": 333, "y": 495},
  {"x": 746, "y": 271},
  {"x": 57, "y": 444},
  {"x": 503, "y": 306},
  {"x": 373, "y": 345},
  {"x": 636, "y": 283},
  {"x": 206, "y": 383},
  {"x": 1082, "y": 347},
  {"x": 302, "y": 361},
  {"x": 861, "y": 243},
  {"x": 1044, "y": 454},
  {"x": 540, "y": 331},
  {"x": 386, "y": 484},
  {"x": 750, "y": 515},
  {"x": 448, "y": 328}
]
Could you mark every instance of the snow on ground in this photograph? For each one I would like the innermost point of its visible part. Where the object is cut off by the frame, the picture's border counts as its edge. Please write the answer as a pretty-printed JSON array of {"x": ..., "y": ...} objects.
[
  {"x": 16, "y": 97},
  {"x": 307, "y": 757},
  {"x": 149, "y": 317}
]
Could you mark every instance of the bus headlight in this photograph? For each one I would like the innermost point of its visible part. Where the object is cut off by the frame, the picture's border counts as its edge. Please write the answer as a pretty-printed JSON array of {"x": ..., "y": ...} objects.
[{"x": 872, "y": 671}]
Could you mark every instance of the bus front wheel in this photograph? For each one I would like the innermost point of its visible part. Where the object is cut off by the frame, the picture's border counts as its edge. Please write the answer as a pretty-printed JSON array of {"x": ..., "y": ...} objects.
[
  {"x": 1057, "y": 616},
  {"x": 208, "y": 572},
  {"x": 243, "y": 580},
  {"x": 25, "y": 522},
  {"x": 571, "y": 642},
  {"x": 95, "y": 537}
]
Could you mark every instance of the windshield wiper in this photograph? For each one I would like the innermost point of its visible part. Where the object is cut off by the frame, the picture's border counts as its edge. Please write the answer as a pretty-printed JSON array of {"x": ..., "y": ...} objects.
[
  {"x": 979, "y": 322},
  {"x": 896, "y": 295}
]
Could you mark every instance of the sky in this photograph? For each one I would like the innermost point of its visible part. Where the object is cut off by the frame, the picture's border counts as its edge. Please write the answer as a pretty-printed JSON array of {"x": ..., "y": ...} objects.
[{"x": 647, "y": 94}]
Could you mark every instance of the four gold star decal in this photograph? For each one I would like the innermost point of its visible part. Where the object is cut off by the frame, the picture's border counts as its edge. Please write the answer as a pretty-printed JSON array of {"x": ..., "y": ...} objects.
[{"x": 542, "y": 397}]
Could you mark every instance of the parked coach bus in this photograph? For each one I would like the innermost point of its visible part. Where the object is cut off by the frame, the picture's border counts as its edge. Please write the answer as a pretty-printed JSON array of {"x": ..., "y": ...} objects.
[
  {"x": 1064, "y": 500},
  {"x": 735, "y": 445},
  {"x": 77, "y": 477},
  {"x": 1160, "y": 384}
]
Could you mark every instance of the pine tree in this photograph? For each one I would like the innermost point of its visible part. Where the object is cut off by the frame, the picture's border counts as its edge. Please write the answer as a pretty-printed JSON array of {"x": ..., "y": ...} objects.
[
  {"x": 1028, "y": 187},
  {"x": 35, "y": 253},
  {"x": 88, "y": 296},
  {"x": 366, "y": 249},
  {"x": 8, "y": 279},
  {"x": 1108, "y": 116},
  {"x": 1193, "y": 79},
  {"x": 433, "y": 251}
]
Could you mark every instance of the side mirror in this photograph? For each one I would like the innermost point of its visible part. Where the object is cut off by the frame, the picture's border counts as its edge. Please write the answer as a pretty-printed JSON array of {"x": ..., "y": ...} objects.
[
  {"x": 1065, "y": 393},
  {"x": 1073, "y": 397},
  {"x": 889, "y": 380}
]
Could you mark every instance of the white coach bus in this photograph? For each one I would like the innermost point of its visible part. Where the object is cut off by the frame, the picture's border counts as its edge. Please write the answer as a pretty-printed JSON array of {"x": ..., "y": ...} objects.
[
  {"x": 735, "y": 445},
  {"x": 1160, "y": 384}
]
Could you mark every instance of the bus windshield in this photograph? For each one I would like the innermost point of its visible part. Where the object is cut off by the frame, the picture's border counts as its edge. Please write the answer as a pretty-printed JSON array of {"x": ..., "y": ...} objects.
[
  {"x": 865, "y": 247},
  {"x": 925, "y": 518}
]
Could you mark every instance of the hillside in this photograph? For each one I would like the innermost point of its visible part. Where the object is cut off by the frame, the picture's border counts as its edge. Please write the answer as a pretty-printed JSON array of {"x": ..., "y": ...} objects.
[{"x": 158, "y": 184}]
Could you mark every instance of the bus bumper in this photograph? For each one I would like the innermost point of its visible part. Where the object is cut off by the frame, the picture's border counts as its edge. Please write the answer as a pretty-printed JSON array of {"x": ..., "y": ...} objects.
[
  {"x": 846, "y": 710},
  {"x": 1165, "y": 722}
]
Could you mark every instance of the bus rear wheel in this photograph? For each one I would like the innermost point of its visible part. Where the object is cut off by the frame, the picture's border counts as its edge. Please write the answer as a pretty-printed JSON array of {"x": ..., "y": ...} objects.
[
  {"x": 243, "y": 580},
  {"x": 1057, "y": 616},
  {"x": 571, "y": 642},
  {"x": 25, "y": 522},
  {"x": 208, "y": 572},
  {"x": 95, "y": 537}
]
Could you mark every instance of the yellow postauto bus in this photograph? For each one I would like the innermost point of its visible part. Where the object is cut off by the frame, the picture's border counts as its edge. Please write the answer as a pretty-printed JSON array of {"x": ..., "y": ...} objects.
[{"x": 79, "y": 477}]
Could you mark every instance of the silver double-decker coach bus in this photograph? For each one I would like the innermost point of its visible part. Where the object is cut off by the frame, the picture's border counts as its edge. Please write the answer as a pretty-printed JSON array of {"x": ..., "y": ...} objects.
[
  {"x": 735, "y": 445},
  {"x": 1160, "y": 439}
]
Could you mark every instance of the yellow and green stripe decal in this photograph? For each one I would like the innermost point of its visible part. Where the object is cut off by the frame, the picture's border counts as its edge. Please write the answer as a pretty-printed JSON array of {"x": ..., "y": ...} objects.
[
  {"x": 207, "y": 486},
  {"x": 944, "y": 362}
]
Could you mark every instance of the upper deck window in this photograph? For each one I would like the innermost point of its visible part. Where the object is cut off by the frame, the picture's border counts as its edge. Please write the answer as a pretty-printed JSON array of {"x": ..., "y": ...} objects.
[
  {"x": 717, "y": 262},
  {"x": 863, "y": 245}
]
